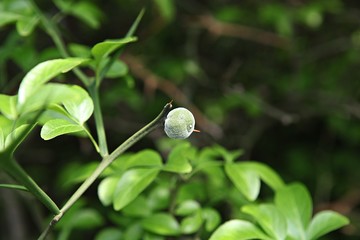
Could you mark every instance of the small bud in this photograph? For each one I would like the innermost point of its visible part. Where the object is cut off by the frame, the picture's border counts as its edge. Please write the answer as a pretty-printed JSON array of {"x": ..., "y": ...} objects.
[{"x": 179, "y": 123}]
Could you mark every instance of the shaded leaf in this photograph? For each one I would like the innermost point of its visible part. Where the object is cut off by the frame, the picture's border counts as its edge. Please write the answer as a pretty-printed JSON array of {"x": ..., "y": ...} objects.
[
  {"x": 212, "y": 218},
  {"x": 162, "y": 224},
  {"x": 109, "y": 234},
  {"x": 137, "y": 208}
]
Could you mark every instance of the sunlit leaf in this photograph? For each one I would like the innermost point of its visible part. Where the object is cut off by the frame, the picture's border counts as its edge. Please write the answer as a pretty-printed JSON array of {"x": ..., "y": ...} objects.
[
  {"x": 15, "y": 134},
  {"x": 268, "y": 175},
  {"x": 8, "y": 106},
  {"x": 80, "y": 106},
  {"x": 238, "y": 230},
  {"x": 107, "y": 189},
  {"x": 47, "y": 94},
  {"x": 295, "y": 203},
  {"x": 104, "y": 49},
  {"x": 192, "y": 223},
  {"x": 57, "y": 127},
  {"x": 131, "y": 184},
  {"x": 324, "y": 222},
  {"x": 145, "y": 158},
  {"x": 269, "y": 218},
  {"x": 42, "y": 73},
  {"x": 26, "y": 25},
  {"x": 178, "y": 160},
  {"x": 246, "y": 180},
  {"x": 187, "y": 207},
  {"x": 8, "y": 17}
]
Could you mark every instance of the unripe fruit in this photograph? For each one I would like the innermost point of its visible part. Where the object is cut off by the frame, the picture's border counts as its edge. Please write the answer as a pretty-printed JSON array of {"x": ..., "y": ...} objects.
[{"x": 179, "y": 123}]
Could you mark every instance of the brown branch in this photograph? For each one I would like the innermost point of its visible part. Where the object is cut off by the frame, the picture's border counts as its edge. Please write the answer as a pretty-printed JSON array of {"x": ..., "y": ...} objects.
[
  {"x": 219, "y": 28},
  {"x": 153, "y": 82}
]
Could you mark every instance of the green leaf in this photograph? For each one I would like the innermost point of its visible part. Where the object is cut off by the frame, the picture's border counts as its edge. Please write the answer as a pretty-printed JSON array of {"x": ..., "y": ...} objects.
[
  {"x": 26, "y": 25},
  {"x": 8, "y": 106},
  {"x": 57, "y": 127},
  {"x": 131, "y": 184},
  {"x": 104, "y": 49},
  {"x": 162, "y": 224},
  {"x": 118, "y": 69},
  {"x": 84, "y": 219},
  {"x": 15, "y": 134},
  {"x": 295, "y": 203},
  {"x": 159, "y": 198},
  {"x": 191, "y": 224},
  {"x": 54, "y": 111},
  {"x": 107, "y": 189},
  {"x": 75, "y": 173},
  {"x": 8, "y": 17},
  {"x": 42, "y": 73},
  {"x": 80, "y": 106},
  {"x": 83, "y": 10},
  {"x": 137, "y": 208},
  {"x": 78, "y": 50},
  {"x": 166, "y": 8},
  {"x": 14, "y": 186},
  {"x": 238, "y": 230},
  {"x": 48, "y": 94},
  {"x": 178, "y": 160},
  {"x": 245, "y": 180},
  {"x": 2, "y": 140},
  {"x": 324, "y": 222},
  {"x": 268, "y": 175},
  {"x": 109, "y": 234},
  {"x": 269, "y": 218},
  {"x": 187, "y": 207},
  {"x": 145, "y": 158},
  {"x": 212, "y": 218}
]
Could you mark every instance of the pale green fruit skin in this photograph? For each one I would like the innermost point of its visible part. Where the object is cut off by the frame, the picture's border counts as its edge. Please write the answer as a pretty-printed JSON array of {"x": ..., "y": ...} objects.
[{"x": 179, "y": 123}]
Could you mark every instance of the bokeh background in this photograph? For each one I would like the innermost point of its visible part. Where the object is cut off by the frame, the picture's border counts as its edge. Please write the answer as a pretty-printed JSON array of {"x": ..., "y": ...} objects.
[{"x": 278, "y": 79}]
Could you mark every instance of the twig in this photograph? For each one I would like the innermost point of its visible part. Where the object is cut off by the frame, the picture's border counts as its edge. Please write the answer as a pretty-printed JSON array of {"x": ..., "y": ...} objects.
[{"x": 219, "y": 28}]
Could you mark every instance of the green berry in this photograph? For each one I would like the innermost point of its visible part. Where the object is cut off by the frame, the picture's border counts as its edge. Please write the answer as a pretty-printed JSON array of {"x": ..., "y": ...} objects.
[{"x": 179, "y": 123}]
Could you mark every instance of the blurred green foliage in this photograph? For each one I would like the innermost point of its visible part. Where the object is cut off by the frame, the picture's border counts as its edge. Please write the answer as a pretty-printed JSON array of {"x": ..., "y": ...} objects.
[{"x": 276, "y": 79}]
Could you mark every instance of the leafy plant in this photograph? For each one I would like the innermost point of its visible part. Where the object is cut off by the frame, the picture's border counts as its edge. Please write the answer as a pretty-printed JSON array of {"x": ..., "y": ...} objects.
[{"x": 151, "y": 198}]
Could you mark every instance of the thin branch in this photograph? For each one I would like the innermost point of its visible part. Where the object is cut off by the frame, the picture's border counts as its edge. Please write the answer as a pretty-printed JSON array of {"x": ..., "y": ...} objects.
[{"x": 219, "y": 28}]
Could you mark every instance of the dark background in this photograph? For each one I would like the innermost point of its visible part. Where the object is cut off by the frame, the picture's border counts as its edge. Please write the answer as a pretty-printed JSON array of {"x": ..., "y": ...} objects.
[{"x": 279, "y": 79}]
